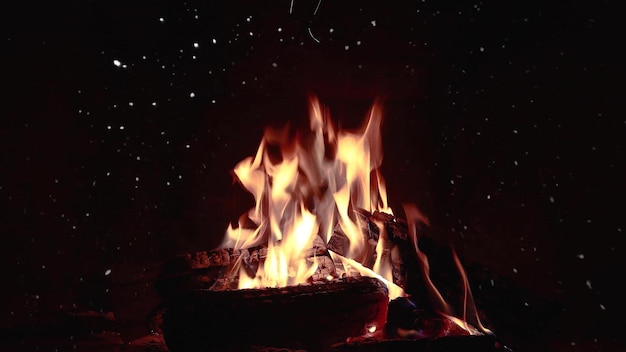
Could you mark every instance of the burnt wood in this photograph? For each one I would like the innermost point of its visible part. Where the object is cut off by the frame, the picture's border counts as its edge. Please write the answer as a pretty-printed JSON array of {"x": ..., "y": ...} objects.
[
  {"x": 311, "y": 317},
  {"x": 482, "y": 343}
]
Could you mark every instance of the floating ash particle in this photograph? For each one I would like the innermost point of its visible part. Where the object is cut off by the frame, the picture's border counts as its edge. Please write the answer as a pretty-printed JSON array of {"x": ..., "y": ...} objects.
[
  {"x": 117, "y": 63},
  {"x": 602, "y": 307},
  {"x": 581, "y": 256},
  {"x": 107, "y": 272}
]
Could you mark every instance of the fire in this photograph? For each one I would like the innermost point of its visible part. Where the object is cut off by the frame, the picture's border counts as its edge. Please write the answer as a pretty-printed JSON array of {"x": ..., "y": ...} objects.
[
  {"x": 307, "y": 186},
  {"x": 312, "y": 185}
]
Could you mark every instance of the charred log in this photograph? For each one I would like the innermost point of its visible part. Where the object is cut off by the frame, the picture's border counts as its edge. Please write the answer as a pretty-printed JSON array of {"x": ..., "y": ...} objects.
[
  {"x": 311, "y": 317},
  {"x": 484, "y": 343}
]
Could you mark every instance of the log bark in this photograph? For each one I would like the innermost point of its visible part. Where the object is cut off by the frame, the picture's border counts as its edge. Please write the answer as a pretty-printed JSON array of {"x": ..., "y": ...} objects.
[{"x": 310, "y": 317}]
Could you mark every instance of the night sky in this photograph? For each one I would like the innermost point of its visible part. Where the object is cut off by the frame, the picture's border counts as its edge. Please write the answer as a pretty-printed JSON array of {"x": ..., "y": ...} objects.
[{"x": 504, "y": 121}]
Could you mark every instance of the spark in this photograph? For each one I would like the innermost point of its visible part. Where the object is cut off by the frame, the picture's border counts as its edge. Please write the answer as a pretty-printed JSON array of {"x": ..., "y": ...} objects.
[
  {"x": 291, "y": 7},
  {"x": 317, "y": 7},
  {"x": 311, "y": 34}
]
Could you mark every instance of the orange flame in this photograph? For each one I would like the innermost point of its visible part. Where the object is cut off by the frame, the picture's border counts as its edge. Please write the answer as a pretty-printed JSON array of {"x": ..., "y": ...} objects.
[
  {"x": 318, "y": 181},
  {"x": 308, "y": 186},
  {"x": 438, "y": 303}
]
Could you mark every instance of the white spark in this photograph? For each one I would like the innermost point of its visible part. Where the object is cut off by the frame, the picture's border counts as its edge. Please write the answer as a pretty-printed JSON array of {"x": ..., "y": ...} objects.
[
  {"x": 192, "y": 94},
  {"x": 117, "y": 63},
  {"x": 312, "y": 36},
  {"x": 161, "y": 19},
  {"x": 274, "y": 64},
  {"x": 588, "y": 283},
  {"x": 196, "y": 45},
  {"x": 317, "y": 7},
  {"x": 291, "y": 7},
  {"x": 373, "y": 23},
  {"x": 214, "y": 41},
  {"x": 107, "y": 272},
  {"x": 581, "y": 256}
]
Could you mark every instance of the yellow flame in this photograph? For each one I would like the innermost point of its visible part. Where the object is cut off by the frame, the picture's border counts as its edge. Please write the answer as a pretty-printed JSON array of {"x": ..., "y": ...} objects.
[{"x": 306, "y": 194}]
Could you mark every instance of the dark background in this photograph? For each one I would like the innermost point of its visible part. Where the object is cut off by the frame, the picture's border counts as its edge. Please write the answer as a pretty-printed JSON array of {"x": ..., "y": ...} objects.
[{"x": 504, "y": 122}]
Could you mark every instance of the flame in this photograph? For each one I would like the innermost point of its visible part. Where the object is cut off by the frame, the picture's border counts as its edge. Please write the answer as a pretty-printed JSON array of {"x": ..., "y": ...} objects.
[
  {"x": 304, "y": 187},
  {"x": 438, "y": 303}
]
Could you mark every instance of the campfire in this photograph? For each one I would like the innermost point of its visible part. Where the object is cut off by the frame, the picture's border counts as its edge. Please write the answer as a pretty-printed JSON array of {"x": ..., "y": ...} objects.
[{"x": 320, "y": 263}]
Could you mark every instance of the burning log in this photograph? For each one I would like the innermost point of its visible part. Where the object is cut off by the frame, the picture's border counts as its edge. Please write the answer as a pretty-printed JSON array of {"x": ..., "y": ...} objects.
[
  {"x": 483, "y": 343},
  {"x": 219, "y": 269},
  {"x": 309, "y": 316}
]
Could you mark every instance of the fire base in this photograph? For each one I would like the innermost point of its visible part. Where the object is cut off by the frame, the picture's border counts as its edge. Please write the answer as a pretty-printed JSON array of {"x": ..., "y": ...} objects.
[{"x": 306, "y": 317}]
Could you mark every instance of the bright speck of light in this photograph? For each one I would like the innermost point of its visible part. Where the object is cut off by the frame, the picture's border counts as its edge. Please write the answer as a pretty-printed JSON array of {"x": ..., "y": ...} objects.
[
  {"x": 161, "y": 19},
  {"x": 280, "y": 29},
  {"x": 588, "y": 283},
  {"x": 117, "y": 63},
  {"x": 154, "y": 103},
  {"x": 130, "y": 103},
  {"x": 581, "y": 256},
  {"x": 192, "y": 94},
  {"x": 195, "y": 45},
  {"x": 107, "y": 272},
  {"x": 346, "y": 47},
  {"x": 482, "y": 50},
  {"x": 274, "y": 64},
  {"x": 137, "y": 178},
  {"x": 214, "y": 41},
  {"x": 602, "y": 307},
  {"x": 373, "y": 23},
  {"x": 121, "y": 127}
]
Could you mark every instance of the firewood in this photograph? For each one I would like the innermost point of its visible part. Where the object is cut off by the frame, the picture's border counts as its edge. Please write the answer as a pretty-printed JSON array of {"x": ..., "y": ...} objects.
[
  {"x": 310, "y": 316},
  {"x": 482, "y": 343}
]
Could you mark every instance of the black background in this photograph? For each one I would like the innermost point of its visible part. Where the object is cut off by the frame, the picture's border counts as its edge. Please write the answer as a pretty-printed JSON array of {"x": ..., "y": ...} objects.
[{"x": 504, "y": 122}]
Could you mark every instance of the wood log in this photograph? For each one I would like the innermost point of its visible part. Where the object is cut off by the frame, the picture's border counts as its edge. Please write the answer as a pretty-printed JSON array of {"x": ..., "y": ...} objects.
[
  {"x": 219, "y": 269},
  {"x": 310, "y": 317},
  {"x": 482, "y": 343}
]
